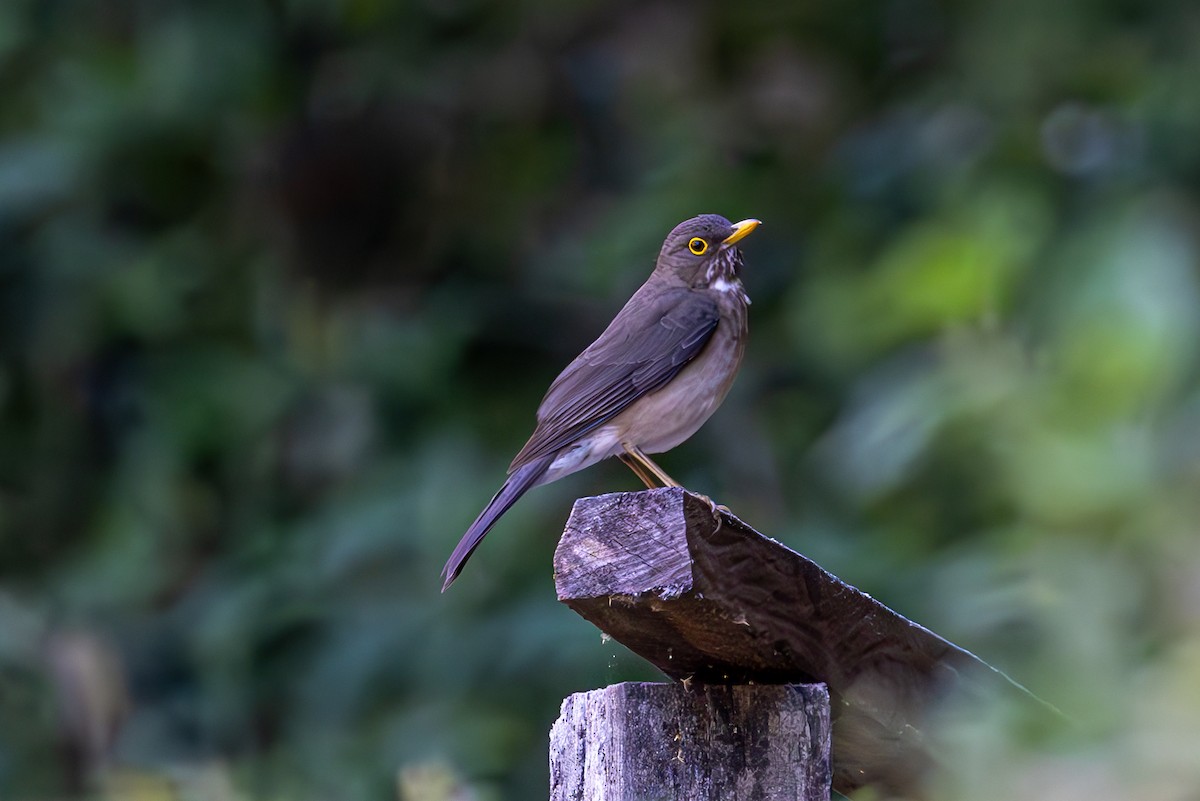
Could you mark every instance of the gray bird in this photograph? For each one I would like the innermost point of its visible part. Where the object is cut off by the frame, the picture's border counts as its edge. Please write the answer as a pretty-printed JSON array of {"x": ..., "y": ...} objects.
[{"x": 649, "y": 382}]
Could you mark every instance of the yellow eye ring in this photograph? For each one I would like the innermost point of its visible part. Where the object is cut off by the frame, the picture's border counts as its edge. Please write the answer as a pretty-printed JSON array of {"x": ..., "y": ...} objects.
[{"x": 698, "y": 246}]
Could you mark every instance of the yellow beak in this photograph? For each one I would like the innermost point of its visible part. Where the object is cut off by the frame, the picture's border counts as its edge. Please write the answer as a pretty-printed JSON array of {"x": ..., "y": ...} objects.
[{"x": 740, "y": 231}]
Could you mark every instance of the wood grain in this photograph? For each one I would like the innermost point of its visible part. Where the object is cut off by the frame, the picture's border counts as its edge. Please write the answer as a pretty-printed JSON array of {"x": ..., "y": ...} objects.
[{"x": 644, "y": 741}]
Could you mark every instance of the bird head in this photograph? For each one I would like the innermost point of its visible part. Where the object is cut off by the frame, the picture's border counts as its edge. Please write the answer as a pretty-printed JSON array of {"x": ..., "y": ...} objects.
[{"x": 700, "y": 251}]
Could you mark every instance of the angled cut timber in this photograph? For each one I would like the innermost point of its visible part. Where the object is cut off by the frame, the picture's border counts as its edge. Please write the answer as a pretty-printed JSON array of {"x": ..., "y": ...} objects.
[{"x": 706, "y": 598}]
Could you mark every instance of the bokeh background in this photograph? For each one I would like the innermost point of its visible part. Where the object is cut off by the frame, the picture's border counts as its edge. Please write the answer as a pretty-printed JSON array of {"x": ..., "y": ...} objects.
[{"x": 281, "y": 284}]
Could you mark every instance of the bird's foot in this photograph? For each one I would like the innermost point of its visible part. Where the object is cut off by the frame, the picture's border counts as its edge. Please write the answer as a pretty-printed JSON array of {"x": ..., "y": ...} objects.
[{"x": 717, "y": 509}]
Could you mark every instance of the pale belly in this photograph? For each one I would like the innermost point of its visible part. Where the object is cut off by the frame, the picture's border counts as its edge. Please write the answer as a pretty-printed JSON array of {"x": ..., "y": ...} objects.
[
  {"x": 661, "y": 420},
  {"x": 664, "y": 419}
]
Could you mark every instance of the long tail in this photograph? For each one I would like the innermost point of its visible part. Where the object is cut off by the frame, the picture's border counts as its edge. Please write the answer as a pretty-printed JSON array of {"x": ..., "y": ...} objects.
[{"x": 521, "y": 480}]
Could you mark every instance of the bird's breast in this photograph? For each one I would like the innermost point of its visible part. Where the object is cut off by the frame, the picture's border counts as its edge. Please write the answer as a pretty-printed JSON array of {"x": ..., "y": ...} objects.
[{"x": 663, "y": 419}]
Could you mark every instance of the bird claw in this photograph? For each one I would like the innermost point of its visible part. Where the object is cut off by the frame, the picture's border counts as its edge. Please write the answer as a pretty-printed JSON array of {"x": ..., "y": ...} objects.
[{"x": 718, "y": 510}]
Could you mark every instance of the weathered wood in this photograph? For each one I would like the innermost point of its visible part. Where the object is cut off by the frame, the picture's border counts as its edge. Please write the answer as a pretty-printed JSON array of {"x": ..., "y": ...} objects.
[
  {"x": 646, "y": 742},
  {"x": 704, "y": 597}
]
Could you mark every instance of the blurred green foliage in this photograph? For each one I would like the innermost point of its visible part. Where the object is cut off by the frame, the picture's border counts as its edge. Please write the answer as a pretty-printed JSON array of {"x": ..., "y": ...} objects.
[{"x": 282, "y": 283}]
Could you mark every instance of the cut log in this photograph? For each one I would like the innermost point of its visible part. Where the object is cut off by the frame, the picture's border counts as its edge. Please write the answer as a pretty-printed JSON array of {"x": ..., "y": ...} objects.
[{"x": 644, "y": 742}]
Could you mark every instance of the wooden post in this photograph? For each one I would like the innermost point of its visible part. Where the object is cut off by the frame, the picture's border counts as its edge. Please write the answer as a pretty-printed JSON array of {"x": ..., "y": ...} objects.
[
  {"x": 644, "y": 742},
  {"x": 708, "y": 600}
]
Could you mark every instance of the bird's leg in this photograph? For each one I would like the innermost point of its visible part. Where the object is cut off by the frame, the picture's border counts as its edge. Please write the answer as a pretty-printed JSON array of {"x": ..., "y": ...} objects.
[
  {"x": 633, "y": 454},
  {"x": 641, "y": 464},
  {"x": 638, "y": 470}
]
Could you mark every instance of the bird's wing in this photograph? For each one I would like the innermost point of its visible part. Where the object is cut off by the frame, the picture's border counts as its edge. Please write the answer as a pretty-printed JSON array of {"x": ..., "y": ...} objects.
[{"x": 640, "y": 352}]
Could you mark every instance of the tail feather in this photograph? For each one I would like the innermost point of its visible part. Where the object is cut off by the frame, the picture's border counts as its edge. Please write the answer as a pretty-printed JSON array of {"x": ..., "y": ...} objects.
[{"x": 517, "y": 484}]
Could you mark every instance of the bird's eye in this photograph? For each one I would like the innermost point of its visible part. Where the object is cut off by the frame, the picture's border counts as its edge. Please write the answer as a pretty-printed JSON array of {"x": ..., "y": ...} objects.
[{"x": 698, "y": 246}]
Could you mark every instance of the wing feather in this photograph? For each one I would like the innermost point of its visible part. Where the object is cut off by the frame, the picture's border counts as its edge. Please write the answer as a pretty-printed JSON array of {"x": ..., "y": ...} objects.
[{"x": 641, "y": 351}]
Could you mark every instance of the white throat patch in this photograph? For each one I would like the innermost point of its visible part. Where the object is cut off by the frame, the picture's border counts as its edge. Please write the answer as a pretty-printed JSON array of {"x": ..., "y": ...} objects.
[{"x": 721, "y": 277}]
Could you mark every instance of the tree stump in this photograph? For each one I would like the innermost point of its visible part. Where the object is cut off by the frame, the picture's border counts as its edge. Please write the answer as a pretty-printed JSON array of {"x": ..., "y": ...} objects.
[{"x": 652, "y": 742}]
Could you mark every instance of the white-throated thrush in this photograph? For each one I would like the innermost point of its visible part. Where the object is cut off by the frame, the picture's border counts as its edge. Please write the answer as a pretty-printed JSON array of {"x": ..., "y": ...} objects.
[{"x": 649, "y": 382}]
